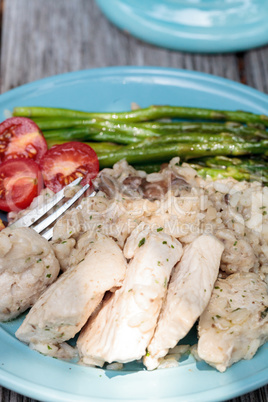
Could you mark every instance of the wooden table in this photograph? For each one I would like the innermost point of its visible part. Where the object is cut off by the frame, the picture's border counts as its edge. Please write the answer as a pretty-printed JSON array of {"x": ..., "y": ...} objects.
[{"x": 41, "y": 38}]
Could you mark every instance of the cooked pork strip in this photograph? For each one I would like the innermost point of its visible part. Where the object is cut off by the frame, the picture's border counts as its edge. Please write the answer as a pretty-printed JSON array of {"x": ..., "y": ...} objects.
[{"x": 188, "y": 294}]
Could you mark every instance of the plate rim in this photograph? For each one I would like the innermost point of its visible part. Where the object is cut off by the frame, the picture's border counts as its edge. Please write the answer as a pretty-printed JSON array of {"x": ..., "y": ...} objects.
[
  {"x": 7, "y": 378},
  {"x": 138, "y": 70}
]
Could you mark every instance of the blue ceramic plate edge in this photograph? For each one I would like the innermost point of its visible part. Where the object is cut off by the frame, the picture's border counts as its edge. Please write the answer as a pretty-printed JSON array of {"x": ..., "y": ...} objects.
[
  {"x": 136, "y": 70},
  {"x": 158, "y": 35}
]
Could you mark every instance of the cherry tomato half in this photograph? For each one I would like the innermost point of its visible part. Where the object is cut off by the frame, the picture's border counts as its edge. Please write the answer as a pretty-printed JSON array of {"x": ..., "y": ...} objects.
[
  {"x": 20, "y": 181},
  {"x": 66, "y": 162},
  {"x": 21, "y": 138}
]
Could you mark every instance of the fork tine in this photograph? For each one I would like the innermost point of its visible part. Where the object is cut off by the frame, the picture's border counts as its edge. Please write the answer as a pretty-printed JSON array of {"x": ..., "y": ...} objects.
[
  {"x": 48, "y": 234},
  {"x": 36, "y": 213},
  {"x": 51, "y": 218}
]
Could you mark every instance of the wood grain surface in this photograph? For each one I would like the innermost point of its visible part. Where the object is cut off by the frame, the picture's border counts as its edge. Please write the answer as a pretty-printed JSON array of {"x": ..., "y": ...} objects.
[{"x": 40, "y": 38}]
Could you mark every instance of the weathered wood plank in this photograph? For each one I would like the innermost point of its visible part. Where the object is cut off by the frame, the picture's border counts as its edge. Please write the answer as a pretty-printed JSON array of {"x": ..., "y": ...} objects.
[
  {"x": 46, "y": 38},
  {"x": 256, "y": 69},
  {"x": 10, "y": 396}
]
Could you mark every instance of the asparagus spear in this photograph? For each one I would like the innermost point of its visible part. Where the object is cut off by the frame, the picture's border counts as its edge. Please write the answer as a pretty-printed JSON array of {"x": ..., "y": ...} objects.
[
  {"x": 236, "y": 167},
  {"x": 165, "y": 152},
  {"x": 214, "y": 173},
  {"x": 201, "y": 127},
  {"x": 223, "y": 161},
  {"x": 193, "y": 138},
  {"x": 87, "y": 133},
  {"x": 98, "y": 147},
  {"x": 153, "y": 112},
  {"x": 148, "y": 129},
  {"x": 95, "y": 126},
  {"x": 149, "y": 168}
]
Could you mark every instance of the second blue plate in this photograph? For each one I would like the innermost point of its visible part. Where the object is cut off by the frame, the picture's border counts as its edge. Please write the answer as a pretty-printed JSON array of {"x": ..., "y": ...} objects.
[{"x": 203, "y": 26}]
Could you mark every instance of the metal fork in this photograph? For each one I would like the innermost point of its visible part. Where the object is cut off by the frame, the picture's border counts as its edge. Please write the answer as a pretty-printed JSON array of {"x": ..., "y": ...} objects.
[{"x": 35, "y": 214}]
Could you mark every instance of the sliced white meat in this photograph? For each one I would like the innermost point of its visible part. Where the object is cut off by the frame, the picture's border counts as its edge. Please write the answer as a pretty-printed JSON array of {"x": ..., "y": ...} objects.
[
  {"x": 235, "y": 322},
  {"x": 65, "y": 307},
  {"x": 27, "y": 267},
  {"x": 125, "y": 324},
  {"x": 188, "y": 294}
]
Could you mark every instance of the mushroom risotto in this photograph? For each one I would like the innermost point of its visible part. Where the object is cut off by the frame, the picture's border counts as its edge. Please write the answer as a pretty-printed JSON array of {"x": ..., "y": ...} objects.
[{"x": 145, "y": 258}]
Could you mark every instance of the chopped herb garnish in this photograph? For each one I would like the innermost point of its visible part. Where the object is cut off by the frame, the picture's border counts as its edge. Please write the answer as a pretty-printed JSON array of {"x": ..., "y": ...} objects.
[
  {"x": 159, "y": 229},
  {"x": 47, "y": 266},
  {"x": 158, "y": 263},
  {"x": 90, "y": 217},
  {"x": 40, "y": 259},
  {"x": 49, "y": 348},
  {"x": 164, "y": 242},
  {"x": 235, "y": 243},
  {"x": 141, "y": 242},
  {"x": 63, "y": 242},
  {"x": 172, "y": 246},
  {"x": 48, "y": 275}
]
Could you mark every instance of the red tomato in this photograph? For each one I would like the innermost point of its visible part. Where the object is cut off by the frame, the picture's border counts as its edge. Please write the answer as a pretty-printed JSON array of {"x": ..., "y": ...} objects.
[
  {"x": 20, "y": 181},
  {"x": 64, "y": 163},
  {"x": 21, "y": 138}
]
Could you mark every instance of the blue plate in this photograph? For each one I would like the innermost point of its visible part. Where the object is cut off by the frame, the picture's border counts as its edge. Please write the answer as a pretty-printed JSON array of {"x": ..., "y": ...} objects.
[
  {"x": 207, "y": 26},
  {"x": 47, "y": 379}
]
